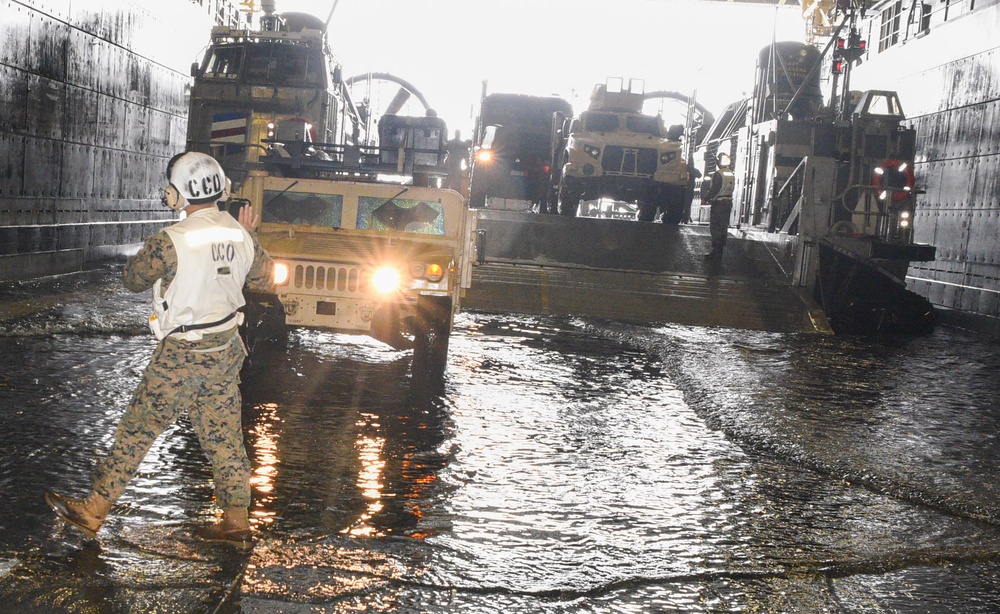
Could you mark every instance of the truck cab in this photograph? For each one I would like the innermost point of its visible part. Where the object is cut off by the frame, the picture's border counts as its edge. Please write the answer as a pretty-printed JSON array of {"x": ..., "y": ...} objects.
[
  {"x": 249, "y": 81},
  {"x": 512, "y": 154},
  {"x": 612, "y": 150}
]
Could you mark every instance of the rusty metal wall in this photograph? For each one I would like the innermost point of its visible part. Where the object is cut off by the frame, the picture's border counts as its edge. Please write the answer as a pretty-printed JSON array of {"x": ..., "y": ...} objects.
[
  {"x": 948, "y": 78},
  {"x": 92, "y": 104}
]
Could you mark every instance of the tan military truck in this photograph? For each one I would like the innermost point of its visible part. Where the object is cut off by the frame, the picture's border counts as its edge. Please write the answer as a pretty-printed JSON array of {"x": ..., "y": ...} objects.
[
  {"x": 357, "y": 249},
  {"x": 612, "y": 150}
]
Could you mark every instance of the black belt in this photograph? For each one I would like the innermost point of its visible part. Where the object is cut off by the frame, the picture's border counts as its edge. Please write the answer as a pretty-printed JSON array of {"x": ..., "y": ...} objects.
[{"x": 187, "y": 327}]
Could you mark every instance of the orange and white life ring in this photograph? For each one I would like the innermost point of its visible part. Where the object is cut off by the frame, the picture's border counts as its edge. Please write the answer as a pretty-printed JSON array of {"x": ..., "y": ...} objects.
[{"x": 893, "y": 180}]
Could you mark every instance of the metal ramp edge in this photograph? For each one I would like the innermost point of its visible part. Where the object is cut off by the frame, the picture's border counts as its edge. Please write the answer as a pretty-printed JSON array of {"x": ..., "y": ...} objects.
[{"x": 633, "y": 272}]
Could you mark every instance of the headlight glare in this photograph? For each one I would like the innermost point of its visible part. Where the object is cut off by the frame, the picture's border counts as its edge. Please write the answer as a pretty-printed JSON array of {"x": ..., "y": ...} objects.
[
  {"x": 386, "y": 280},
  {"x": 280, "y": 273}
]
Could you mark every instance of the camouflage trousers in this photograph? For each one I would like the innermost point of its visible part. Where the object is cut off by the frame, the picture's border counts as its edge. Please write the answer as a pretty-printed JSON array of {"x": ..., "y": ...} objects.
[
  {"x": 719, "y": 222},
  {"x": 202, "y": 379}
]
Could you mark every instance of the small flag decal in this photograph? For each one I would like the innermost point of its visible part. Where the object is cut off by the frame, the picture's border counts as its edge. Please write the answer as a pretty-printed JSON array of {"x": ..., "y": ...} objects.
[{"x": 229, "y": 128}]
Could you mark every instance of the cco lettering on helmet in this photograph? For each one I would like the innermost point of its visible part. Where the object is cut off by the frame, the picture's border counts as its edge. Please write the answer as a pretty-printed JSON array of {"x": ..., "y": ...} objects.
[{"x": 194, "y": 179}]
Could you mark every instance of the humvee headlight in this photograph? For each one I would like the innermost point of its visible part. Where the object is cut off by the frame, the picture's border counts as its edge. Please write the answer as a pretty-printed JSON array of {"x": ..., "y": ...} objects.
[
  {"x": 280, "y": 273},
  {"x": 385, "y": 280},
  {"x": 593, "y": 152},
  {"x": 418, "y": 270},
  {"x": 667, "y": 157},
  {"x": 904, "y": 214},
  {"x": 434, "y": 272},
  {"x": 484, "y": 155}
]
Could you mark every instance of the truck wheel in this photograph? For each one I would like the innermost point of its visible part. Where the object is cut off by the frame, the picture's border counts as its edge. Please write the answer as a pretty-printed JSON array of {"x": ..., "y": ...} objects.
[
  {"x": 569, "y": 198},
  {"x": 674, "y": 215},
  {"x": 432, "y": 331},
  {"x": 646, "y": 212},
  {"x": 551, "y": 202},
  {"x": 263, "y": 324},
  {"x": 672, "y": 205}
]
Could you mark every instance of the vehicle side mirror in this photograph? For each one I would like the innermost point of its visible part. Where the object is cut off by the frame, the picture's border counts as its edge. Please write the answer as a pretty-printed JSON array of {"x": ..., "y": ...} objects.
[{"x": 195, "y": 69}]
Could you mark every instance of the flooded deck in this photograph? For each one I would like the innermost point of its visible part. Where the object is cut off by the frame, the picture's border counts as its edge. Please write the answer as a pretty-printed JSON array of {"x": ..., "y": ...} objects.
[
  {"x": 562, "y": 465},
  {"x": 634, "y": 272}
]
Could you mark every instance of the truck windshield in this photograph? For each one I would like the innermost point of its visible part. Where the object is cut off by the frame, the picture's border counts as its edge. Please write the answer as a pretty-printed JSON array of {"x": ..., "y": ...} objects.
[
  {"x": 303, "y": 208},
  {"x": 266, "y": 64},
  {"x": 600, "y": 122},
  {"x": 643, "y": 124},
  {"x": 528, "y": 113}
]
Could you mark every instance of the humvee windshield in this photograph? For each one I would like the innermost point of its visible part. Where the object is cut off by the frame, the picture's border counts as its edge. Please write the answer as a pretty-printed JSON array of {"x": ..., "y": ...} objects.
[
  {"x": 267, "y": 64},
  {"x": 400, "y": 214},
  {"x": 303, "y": 208}
]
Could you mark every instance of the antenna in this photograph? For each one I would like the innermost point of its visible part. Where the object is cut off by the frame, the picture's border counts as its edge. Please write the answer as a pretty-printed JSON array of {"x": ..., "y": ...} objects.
[{"x": 330, "y": 16}]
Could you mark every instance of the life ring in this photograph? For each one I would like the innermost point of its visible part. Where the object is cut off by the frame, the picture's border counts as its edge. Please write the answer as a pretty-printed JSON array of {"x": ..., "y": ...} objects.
[{"x": 893, "y": 177}]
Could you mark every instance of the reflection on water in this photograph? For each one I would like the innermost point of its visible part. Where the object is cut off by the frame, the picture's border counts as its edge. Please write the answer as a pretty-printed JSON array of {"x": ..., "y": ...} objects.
[{"x": 561, "y": 466}]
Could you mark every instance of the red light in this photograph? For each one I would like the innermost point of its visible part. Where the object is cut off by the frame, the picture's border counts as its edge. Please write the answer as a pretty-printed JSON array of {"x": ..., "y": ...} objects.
[
  {"x": 840, "y": 43},
  {"x": 862, "y": 45},
  {"x": 838, "y": 67},
  {"x": 546, "y": 168}
]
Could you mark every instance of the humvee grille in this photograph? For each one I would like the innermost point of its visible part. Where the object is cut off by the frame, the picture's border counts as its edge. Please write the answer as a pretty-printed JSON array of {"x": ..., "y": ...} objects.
[
  {"x": 340, "y": 279},
  {"x": 633, "y": 161}
]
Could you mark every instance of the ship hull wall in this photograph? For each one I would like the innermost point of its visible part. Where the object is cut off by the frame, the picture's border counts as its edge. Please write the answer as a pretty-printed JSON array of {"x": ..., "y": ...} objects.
[
  {"x": 93, "y": 102},
  {"x": 946, "y": 69}
]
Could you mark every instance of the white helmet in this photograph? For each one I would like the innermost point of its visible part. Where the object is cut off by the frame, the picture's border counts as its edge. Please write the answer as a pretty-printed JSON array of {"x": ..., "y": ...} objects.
[{"x": 195, "y": 179}]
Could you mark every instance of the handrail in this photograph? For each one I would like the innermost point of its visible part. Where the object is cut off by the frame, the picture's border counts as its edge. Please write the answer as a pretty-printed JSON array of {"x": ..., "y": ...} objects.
[
  {"x": 787, "y": 188},
  {"x": 367, "y": 160},
  {"x": 802, "y": 164}
]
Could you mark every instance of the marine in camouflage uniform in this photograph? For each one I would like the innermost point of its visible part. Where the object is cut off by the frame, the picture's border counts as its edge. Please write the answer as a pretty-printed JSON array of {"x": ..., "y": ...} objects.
[
  {"x": 197, "y": 270},
  {"x": 198, "y": 377}
]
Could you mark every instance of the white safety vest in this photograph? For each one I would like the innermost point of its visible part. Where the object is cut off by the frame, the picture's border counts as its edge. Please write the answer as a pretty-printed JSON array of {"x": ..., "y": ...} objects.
[
  {"x": 214, "y": 256},
  {"x": 728, "y": 183}
]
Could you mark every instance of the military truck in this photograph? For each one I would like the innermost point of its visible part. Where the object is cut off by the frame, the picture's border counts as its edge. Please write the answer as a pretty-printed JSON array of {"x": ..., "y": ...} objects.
[
  {"x": 358, "y": 246},
  {"x": 249, "y": 81},
  {"x": 512, "y": 150},
  {"x": 612, "y": 150}
]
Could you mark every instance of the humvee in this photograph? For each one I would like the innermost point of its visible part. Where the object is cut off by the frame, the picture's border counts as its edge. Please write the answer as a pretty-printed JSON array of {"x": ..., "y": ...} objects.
[{"x": 359, "y": 246}]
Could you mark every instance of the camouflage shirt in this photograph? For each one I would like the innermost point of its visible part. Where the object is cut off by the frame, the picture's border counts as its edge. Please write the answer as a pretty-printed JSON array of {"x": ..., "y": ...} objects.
[{"x": 158, "y": 260}]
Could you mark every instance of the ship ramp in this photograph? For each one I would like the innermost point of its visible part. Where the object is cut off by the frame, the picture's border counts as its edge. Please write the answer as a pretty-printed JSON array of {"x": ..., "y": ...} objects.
[{"x": 633, "y": 272}]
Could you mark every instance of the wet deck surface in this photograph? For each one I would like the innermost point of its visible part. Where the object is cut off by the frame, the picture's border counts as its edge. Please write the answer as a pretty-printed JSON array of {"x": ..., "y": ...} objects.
[
  {"x": 562, "y": 465},
  {"x": 633, "y": 272}
]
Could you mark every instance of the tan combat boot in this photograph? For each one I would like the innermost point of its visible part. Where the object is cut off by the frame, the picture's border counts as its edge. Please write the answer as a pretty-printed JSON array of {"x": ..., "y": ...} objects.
[
  {"x": 85, "y": 514},
  {"x": 233, "y": 529}
]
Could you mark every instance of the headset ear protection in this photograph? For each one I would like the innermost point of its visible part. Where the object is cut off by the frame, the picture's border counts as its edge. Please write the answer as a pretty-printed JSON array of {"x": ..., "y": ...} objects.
[{"x": 172, "y": 198}]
